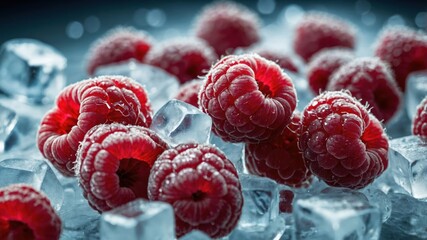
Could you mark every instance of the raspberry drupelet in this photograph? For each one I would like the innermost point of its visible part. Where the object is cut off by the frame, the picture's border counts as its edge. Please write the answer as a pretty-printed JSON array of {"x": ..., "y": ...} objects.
[
  {"x": 81, "y": 106},
  {"x": 319, "y": 30},
  {"x": 189, "y": 92},
  {"x": 118, "y": 44},
  {"x": 203, "y": 187},
  {"x": 419, "y": 124},
  {"x": 249, "y": 98},
  {"x": 342, "y": 143}
]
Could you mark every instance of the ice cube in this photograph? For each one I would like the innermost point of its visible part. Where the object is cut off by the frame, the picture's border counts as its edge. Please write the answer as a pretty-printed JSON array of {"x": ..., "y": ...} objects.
[
  {"x": 304, "y": 94},
  {"x": 416, "y": 91},
  {"x": 8, "y": 119},
  {"x": 261, "y": 202},
  {"x": 409, "y": 164},
  {"x": 160, "y": 85},
  {"x": 179, "y": 122},
  {"x": 139, "y": 219},
  {"x": 380, "y": 200},
  {"x": 36, "y": 173},
  {"x": 233, "y": 151},
  {"x": 275, "y": 230},
  {"x": 195, "y": 235},
  {"x": 336, "y": 214},
  {"x": 31, "y": 70}
]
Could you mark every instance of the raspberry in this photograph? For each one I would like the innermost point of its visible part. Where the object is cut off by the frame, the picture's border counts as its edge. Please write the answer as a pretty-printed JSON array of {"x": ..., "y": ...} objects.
[
  {"x": 323, "y": 64},
  {"x": 203, "y": 187},
  {"x": 419, "y": 124},
  {"x": 83, "y": 105},
  {"x": 119, "y": 44},
  {"x": 370, "y": 80},
  {"x": 189, "y": 92},
  {"x": 285, "y": 200},
  {"x": 342, "y": 143},
  {"x": 227, "y": 26},
  {"x": 284, "y": 60},
  {"x": 114, "y": 162},
  {"x": 318, "y": 30},
  {"x": 27, "y": 214},
  {"x": 185, "y": 58},
  {"x": 248, "y": 97},
  {"x": 404, "y": 49},
  {"x": 279, "y": 158}
]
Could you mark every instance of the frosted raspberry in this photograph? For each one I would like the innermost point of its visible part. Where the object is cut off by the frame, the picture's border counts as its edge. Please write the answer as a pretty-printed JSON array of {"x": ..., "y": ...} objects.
[
  {"x": 279, "y": 158},
  {"x": 27, "y": 214},
  {"x": 419, "y": 124},
  {"x": 202, "y": 186},
  {"x": 404, "y": 49},
  {"x": 114, "y": 162},
  {"x": 323, "y": 64},
  {"x": 185, "y": 58},
  {"x": 227, "y": 26},
  {"x": 342, "y": 143},
  {"x": 248, "y": 97},
  {"x": 319, "y": 30},
  {"x": 81, "y": 106},
  {"x": 371, "y": 81},
  {"x": 285, "y": 61},
  {"x": 189, "y": 92},
  {"x": 118, "y": 44}
]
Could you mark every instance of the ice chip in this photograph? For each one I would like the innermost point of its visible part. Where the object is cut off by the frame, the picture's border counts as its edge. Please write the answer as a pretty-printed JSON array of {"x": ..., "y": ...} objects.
[
  {"x": 275, "y": 230},
  {"x": 409, "y": 164},
  {"x": 233, "y": 151},
  {"x": 36, "y": 173},
  {"x": 338, "y": 215},
  {"x": 8, "y": 119},
  {"x": 261, "y": 202},
  {"x": 179, "y": 122},
  {"x": 416, "y": 90},
  {"x": 160, "y": 85},
  {"x": 139, "y": 219},
  {"x": 31, "y": 70},
  {"x": 195, "y": 235}
]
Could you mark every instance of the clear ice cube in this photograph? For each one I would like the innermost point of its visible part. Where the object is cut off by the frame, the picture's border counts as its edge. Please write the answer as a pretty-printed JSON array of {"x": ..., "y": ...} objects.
[
  {"x": 380, "y": 200},
  {"x": 31, "y": 70},
  {"x": 139, "y": 219},
  {"x": 36, "y": 173},
  {"x": 261, "y": 202},
  {"x": 8, "y": 119},
  {"x": 336, "y": 214},
  {"x": 275, "y": 230},
  {"x": 195, "y": 235},
  {"x": 179, "y": 122},
  {"x": 160, "y": 85},
  {"x": 233, "y": 151},
  {"x": 409, "y": 164},
  {"x": 416, "y": 91}
]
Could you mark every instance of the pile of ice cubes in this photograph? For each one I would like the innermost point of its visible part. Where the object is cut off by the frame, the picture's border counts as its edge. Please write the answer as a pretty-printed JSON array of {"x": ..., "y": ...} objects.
[{"x": 393, "y": 207}]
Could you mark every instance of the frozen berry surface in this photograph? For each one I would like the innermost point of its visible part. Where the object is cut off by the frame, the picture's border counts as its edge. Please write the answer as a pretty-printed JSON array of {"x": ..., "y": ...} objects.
[
  {"x": 189, "y": 92},
  {"x": 419, "y": 124},
  {"x": 249, "y": 98},
  {"x": 203, "y": 187},
  {"x": 342, "y": 143}
]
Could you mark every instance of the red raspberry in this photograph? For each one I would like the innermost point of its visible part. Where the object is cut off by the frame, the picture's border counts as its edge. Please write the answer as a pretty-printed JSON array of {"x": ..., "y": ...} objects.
[
  {"x": 83, "y": 105},
  {"x": 27, "y": 214},
  {"x": 119, "y": 44},
  {"x": 189, "y": 92},
  {"x": 286, "y": 198},
  {"x": 323, "y": 64},
  {"x": 279, "y": 158},
  {"x": 419, "y": 124},
  {"x": 227, "y": 26},
  {"x": 185, "y": 58},
  {"x": 114, "y": 162},
  {"x": 203, "y": 187},
  {"x": 370, "y": 80},
  {"x": 248, "y": 97},
  {"x": 285, "y": 61},
  {"x": 342, "y": 143},
  {"x": 318, "y": 30},
  {"x": 404, "y": 49}
]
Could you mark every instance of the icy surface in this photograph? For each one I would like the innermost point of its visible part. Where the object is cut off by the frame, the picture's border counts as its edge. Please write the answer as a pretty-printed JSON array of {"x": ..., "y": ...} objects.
[
  {"x": 416, "y": 91},
  {"x": 160, "y": 85},
  {"x": 261, "y": 202},
  {"x": 380, "y": 200},
  {"x": 336, "y": 215},
  {"x": 31, "y": 70},
  {"x": 179, "y": 122},
  {"x": 36, "y": 173},
  {"x": 139, "y": 219},
  {"x": 195, "y": 235},
  {"x": 409, "y": 164},
  {"x": 275, "y": 230},
  {"x": 233, "y": 151},
  {"x": 8, "y": 119}
]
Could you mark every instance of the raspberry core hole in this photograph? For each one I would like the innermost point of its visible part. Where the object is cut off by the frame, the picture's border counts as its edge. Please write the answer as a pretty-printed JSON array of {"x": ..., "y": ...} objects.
[
  {"x": 19, "y": 230},
  {"x": 68, "y": 122},
  {"x": 264, "y": 88},
  {"x": 198, "y": 196},
  {"x": 133, "y": 174}
]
